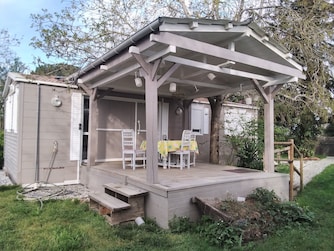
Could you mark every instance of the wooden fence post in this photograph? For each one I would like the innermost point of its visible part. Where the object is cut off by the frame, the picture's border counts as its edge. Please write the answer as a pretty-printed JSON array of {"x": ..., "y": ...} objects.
[{"x": 291, "y": 158}]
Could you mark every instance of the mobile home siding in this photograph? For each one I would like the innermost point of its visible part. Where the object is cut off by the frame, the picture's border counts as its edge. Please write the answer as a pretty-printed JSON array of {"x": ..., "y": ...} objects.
[
  {"x": 11, "y": 155},
  {"x": 21, "y": 158},
  {"x": 54, "y": 130}
]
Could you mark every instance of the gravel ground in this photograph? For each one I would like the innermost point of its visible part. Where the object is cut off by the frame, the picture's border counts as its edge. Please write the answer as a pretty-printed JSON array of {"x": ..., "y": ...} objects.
[
  {"x": 312, "y": 168},
  {"x": 44, "y": 192},
  {"x": 4, "y": 180}
]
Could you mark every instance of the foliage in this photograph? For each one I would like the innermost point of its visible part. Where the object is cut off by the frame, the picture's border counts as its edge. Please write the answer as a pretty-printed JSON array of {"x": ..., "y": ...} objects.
[
  {"x": 220, "y": 233},
  {"x": 60, "y": 69},
  {"x": 180, "y": 224},
  {"x": 282, "y": 214},
  {"x": 329, "y": 130},
  {"x": 262, "y": 214},
  {"x": 296, "y": 24},
  {"x": 8, "y": 59},
  {"x": 303, "y": 127},
  {"x": 318, "y": 197},
  {"x": 282, "y": 168},
  {"x": 248, "y": 145}
]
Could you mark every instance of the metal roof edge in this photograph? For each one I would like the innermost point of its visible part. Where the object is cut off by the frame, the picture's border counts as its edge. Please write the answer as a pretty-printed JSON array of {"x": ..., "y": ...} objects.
[
  {"x": 17, "y": 77},
  {"x": 152, "y": 27}
]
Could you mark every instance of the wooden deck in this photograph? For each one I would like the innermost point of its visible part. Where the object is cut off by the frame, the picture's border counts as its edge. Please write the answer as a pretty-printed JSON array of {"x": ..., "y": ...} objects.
[{"x": 173, "y": 194}]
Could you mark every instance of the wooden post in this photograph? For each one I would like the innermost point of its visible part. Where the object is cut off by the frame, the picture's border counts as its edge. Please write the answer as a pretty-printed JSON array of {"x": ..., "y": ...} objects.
[
  {"x": 291, "y": 154},
  {"x": 301, "y": 173},
  {"x": 269, "y": 153},
  {"x": 151, "y": 107},
  {"x": 92, "y": 139}
]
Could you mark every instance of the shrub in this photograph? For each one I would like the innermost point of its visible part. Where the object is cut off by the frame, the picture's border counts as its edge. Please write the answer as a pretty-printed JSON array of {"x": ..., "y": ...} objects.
[
  {"x": 180, "y": 225},
  {"x": 220, "y": 233}
]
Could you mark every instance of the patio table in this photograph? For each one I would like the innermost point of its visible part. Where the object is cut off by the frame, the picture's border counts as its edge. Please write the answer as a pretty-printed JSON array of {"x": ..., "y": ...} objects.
[{"x": 166, "y": 146}]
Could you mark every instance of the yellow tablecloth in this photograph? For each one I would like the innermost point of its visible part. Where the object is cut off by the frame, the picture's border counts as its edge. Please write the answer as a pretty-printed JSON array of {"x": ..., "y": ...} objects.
[{"x": 165, "y": 146}]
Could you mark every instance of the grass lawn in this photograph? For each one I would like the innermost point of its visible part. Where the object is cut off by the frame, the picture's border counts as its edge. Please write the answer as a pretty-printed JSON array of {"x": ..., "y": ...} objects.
[
  {"x": 70, "y": 225},
  {"x": 318, "y": 196}
]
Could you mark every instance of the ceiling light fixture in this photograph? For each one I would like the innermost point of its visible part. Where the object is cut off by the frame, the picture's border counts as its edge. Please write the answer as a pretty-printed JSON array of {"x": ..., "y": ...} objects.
[
  {"x": 138, "y": 81},
  {"x": 211, "y": 76},
  {"x": 172, "y": 87}
]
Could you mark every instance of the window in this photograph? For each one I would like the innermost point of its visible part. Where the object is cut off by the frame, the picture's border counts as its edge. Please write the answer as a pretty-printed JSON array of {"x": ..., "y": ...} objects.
[
  {"x": 11, "y": 109},
  {"x": 199, "y": 119}
]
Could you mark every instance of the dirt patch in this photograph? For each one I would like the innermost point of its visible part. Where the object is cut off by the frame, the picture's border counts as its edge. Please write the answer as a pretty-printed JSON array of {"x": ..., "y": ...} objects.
[{"x": 254, "y": 222}]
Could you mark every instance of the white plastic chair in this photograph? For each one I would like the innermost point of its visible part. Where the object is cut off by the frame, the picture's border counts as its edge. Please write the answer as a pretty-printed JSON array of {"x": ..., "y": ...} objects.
[
  {"x": 129, "y": 151},
  {"x": 182, "y": 155}
]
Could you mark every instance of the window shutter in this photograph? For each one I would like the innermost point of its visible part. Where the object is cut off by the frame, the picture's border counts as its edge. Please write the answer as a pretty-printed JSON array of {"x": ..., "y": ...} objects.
[{"x": 76, "y": 120}]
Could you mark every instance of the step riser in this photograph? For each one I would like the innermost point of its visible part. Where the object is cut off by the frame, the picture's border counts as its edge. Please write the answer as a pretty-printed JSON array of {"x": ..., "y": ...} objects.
[{"x": 127, "y": 195}]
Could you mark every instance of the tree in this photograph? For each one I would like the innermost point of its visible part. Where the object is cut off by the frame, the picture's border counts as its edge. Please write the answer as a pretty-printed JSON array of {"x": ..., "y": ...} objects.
[
  {"x": 87, "y": 29},
  {"x": 8, "y": 62},
  {"x": 60, "y": 69},
  {"x": 8, "y": 59},
  {"x": 305, "y": 27}
]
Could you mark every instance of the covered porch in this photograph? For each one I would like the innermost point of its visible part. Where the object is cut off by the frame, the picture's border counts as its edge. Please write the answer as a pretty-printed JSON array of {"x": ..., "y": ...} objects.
[
  {"x": 172, "y": 60},
  {"x": 197, "y": 58}
]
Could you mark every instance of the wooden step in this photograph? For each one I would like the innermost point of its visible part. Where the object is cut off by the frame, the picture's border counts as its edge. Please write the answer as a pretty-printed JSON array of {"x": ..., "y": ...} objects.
[
  {"x": 124, "y": 190},
  {"x": 107, "y": 202}
]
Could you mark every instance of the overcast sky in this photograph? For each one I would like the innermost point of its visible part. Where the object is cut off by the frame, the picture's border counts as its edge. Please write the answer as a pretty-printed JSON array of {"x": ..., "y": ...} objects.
[{"x": 15, "y": 17}]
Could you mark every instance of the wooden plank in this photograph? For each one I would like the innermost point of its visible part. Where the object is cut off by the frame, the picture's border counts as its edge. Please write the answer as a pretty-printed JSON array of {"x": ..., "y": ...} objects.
[
  {"x": 109, "y": 202},
  {"x": 207, "y": 209},
  {"x": 125, "y": 190}
]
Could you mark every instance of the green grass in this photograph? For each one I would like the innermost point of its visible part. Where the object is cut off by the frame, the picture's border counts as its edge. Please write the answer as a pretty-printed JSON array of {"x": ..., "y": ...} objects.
[
  {"x": 70, "y": 225},
  {"x": 282, "y": 168},
  {"x": 318, "y": 196}
]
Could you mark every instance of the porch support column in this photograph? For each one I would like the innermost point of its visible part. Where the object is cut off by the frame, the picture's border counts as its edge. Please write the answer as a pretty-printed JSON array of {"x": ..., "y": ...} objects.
[
  {"x": 152, "y": 83},
  {"x": 151, "y": 108},
  {"x": 268, "y": 94},
  {"x": 92, "y": 139},
  {"x": 269, "y": 134},
  {"x": 148, "y": 71}
]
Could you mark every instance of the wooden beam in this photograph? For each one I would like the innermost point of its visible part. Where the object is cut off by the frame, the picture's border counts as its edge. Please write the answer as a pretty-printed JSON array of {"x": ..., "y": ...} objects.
[
  {"x": 215, "y": 68},
  {"x": 216, "y": 51},
  {"x": 280, "y": 81},
  {"x": 131, "y": 68},
  {"x": 121, "y": 58},
  {"x": 86, "y": 90},
  {"x": 261, "y": 91},
  {"x": 170, "y": 71},
  {"x": 198, "y": 83}
]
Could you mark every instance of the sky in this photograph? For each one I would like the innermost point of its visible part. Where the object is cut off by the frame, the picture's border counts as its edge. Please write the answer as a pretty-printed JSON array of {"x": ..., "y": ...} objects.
[{"x": 15, "y": 17}]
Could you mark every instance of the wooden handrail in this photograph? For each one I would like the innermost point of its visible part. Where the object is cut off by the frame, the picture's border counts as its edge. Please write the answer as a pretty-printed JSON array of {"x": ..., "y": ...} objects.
[{"x": 291, "y": 147}]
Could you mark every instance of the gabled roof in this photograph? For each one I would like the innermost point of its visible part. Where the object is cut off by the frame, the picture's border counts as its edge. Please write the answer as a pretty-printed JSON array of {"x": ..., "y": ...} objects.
[{"x": 239, "y": 54}]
